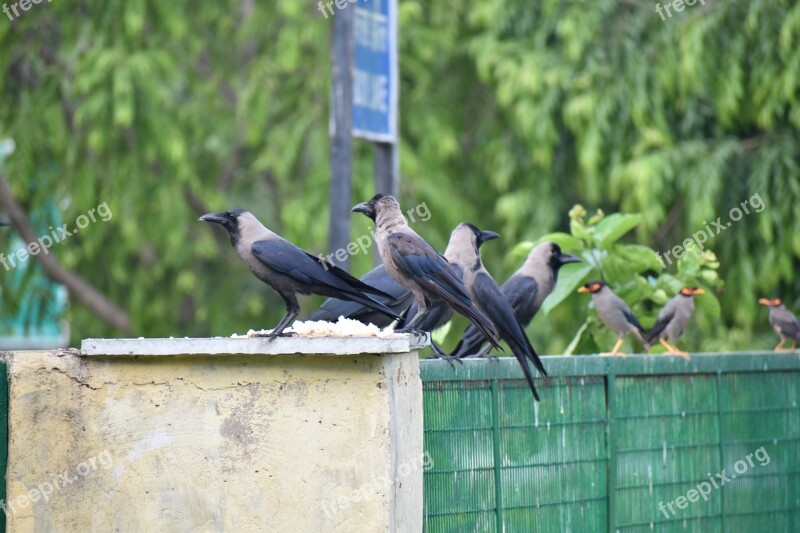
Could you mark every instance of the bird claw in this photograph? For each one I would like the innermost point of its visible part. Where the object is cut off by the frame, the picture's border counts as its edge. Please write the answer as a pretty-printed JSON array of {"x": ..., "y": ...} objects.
[{"x": 273, "y": 336}]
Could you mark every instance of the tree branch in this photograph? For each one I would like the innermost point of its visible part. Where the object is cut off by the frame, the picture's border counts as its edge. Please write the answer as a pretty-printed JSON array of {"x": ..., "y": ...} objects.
[{"x": 78, "y": 287}]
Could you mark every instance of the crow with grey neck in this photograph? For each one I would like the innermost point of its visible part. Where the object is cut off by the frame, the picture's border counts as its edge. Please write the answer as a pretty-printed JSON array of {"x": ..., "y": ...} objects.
[
  {"x": 332, "y": 308},
  {"x": 526, "y": 291},
  {"x": 415, "y": 265},
  {"x": 464, "y": 251},
  {"x": 290, "y": 270}
]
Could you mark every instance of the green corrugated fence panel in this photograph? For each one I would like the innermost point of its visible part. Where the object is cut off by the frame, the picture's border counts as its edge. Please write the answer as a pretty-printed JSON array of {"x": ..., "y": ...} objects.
[
  {"x": 673, "y": 423},
  {"x": 667, "y": 436},
  {"x": 761, "y": 440}
]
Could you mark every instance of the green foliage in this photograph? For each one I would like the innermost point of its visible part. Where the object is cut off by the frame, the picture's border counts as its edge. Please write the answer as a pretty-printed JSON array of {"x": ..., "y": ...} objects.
[
  {"x": 633, "y": 271},
  {"x": 511, "y": 112}
]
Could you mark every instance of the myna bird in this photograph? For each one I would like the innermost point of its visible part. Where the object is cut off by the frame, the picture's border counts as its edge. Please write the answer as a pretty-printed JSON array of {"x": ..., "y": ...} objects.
[
  {"x": 464, "y": 251},
  {"x": 415, "y": 265},
  {"x": 673, "y": 319},
  {"x": 782, "y": 321},
  {"x": 332, "y": 308},
  {"x": 289, "y": 269},
  {"x": 614, "y": 313},
  {"x": 526, "y": 291}
]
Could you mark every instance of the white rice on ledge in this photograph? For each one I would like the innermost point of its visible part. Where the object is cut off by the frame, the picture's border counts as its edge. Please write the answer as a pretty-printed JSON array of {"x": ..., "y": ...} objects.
[{"x": 344, "y": 327}]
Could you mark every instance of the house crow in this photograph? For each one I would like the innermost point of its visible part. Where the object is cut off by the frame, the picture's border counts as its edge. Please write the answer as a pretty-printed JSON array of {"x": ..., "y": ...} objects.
[
  {"x": 614, "y": 313},
  {"x": 526, "y": 291},
  {"x": 782, "y": 321},
  {"x": 673, "y": 319},
  {"x": 332, "y": 308},
  {"x": 414, "y": 264},
  {"x": 290, "y": 270},
  {"x": 464, "y": 251}
]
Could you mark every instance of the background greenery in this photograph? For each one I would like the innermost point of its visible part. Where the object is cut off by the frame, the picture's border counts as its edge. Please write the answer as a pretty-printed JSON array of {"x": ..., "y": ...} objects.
[{"x": 512, "y": 111}]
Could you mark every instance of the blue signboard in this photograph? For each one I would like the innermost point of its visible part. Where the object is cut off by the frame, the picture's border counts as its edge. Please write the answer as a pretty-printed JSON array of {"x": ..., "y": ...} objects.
[{"x": 375, "y": 70}]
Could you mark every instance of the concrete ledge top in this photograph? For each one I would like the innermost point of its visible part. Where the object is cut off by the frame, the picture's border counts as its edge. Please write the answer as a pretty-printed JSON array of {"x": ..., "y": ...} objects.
[{"x": 395, "y": 343}]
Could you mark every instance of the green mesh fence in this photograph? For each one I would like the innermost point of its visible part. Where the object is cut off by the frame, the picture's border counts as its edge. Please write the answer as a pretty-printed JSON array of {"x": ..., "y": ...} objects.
[{"x": 633, "y": 444}]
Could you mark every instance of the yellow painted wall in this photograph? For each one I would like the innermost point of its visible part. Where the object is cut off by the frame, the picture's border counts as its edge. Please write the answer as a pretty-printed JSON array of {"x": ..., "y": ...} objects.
[{"x": 214, "y": 443}]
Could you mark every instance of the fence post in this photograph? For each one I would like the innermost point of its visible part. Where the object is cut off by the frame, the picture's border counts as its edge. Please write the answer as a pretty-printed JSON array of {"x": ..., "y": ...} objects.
[
  {"x": 498, "y": 481},
  {"x": 720, "y": 416},
  {"x": 611, "y": 445}
]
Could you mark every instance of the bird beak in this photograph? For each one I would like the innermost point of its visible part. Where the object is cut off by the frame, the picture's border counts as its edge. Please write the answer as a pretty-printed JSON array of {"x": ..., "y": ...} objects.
[
  {"x": 764, "y": 301},
  {"x": 564, "y": 259},
  {"x": 583, "y": 289},
  {"x": 216, "y": 218},
  {"x": 698, "y": 291},
  {"x": 488, "y": 236},
  {"x": 365, "y": 208}
]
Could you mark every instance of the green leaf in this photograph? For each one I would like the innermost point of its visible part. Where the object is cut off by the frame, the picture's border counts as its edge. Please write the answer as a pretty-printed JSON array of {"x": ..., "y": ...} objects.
[
  {"x": 522, "y": 249},
  {"x": 708, "y": 304},
  {"x": 567, "y": 242},
  {"x": 614, "y": 227},
  {"x": 641, "y": 258},
  {"x": 569, "y": 279},
  {"x": 577, "y": 338}
]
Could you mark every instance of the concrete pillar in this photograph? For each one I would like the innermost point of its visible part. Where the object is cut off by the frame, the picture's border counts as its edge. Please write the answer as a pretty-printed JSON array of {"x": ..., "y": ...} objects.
[{"x": 300, "y": 434}]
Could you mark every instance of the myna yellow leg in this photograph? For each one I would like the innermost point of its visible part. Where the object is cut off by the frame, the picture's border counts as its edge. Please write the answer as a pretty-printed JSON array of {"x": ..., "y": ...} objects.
[
  {"x": 673, "y": 350},
  {"x": 780, "y": 345},
  {"x": 615, "y": 351}
]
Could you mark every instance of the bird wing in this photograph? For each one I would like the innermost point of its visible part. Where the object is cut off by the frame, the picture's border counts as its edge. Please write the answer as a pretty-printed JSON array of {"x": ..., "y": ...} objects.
[
  {"x": 497, "y": 308},
  {"x": 788, "y": 324},
  {"x": 346, "y": 276},
  {"x": 631, "y": 318},
  {"x": 521, "y": 294},
  {"x": 520, "y": 291},
  {"x": 418, "y": 260},
  {"x": 666, "y": 316},
  {"x": 332, "y": 308},
  {"x": 658, "y": 328},
  {"x": 297, "y": 264},
  {"x": 427, "y": 268}
]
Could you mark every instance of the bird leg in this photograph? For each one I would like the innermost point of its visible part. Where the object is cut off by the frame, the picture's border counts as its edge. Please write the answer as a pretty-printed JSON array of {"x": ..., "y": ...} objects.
[
  {"x": 615, "y": 351},
  {"x": 283, "y": 324},
  {"x": 292, "y": 310},
  {"x": 422, "y": 310},
  {"x": 673, "y": 350},
  {"x": 441, "y": 354},
  {"x": 794, "y": 346},
  {"x": 780, "y": 345}
]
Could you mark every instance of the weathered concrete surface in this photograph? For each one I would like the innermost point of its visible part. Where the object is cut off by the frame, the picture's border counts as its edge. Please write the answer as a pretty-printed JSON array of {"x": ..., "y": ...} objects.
[{"x": 215, "y": 443}]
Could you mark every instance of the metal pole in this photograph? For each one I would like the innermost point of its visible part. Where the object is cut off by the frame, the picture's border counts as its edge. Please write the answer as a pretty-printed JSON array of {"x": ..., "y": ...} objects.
[
  {"x": 341, "y": 127},
  {"x": 386, "y": 165}
]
